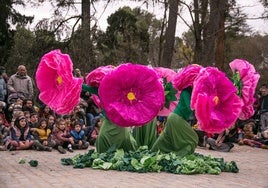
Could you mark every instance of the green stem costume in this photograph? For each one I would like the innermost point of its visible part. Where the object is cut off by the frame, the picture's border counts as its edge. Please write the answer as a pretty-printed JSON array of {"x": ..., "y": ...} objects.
[
  {"x": 178, "y": 136},
  {"x": 146, "y": 135},
  {"x": 111, "y": 134}
]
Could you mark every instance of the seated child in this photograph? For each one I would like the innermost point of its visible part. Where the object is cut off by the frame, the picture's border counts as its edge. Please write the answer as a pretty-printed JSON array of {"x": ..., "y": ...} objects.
[
  {"x": 79, "y": 136},
  {"x": 61, "y": 135},
  {"x": 20, "y": 138},
  {"x": 42, "y": 136},
  {"x": 15, "y": 107},
  {"x": 221, "y": 142},
  {"x": 95, "y": 132},
  {"x": 249, "y": 138}
]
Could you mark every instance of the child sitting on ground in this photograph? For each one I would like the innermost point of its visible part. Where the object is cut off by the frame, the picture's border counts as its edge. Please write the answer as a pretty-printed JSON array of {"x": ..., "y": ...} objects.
[
  {"x": 95, "y": 131},
  {"x": 20, "y": 138},
  {"x": 62, "y": 137},
  {"x": 221, "y": 142},
  {"x": 15, "y": 107},
  {"x": 42, "y": 136},
  {"x": 79, "y": 136},
  {"x": 249, "y": 138}
]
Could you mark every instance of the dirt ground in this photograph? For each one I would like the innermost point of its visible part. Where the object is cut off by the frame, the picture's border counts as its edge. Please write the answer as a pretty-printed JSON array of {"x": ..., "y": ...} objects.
[{"x": 252, "y": 163}]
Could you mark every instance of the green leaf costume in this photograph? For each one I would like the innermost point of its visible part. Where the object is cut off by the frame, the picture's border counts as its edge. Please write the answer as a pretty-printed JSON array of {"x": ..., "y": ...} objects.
[
  {"x": 146, "y": 135},
  {"x": 111, "y": 134},
  {"x": 178, "y": 136}
]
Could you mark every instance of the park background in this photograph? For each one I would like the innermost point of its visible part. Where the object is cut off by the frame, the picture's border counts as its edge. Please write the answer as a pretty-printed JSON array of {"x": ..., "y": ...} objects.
[{"x": 165, "y": 33}]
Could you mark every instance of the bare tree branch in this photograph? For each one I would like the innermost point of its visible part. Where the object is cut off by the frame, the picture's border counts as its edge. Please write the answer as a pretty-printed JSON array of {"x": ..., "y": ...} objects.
[
  {"x": 190, "y": 11},
  {"x": 63, "y": 21}
]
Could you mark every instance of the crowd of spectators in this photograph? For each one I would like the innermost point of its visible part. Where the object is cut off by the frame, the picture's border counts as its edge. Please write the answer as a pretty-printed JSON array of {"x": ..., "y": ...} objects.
[{"x": 27, "y": 125}]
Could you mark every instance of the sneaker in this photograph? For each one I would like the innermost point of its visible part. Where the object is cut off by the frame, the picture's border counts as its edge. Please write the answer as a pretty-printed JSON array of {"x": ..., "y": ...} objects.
[
  {"x": 48, "y": 149},
  {"x": 70, "y": 149},
  {"x": 61, "y": 150},
  {"x": 38, "y": 146},
  {"x": 85, "y": 146}
]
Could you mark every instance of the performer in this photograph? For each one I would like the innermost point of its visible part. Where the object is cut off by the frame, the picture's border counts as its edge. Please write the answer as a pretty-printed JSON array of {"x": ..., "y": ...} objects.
[
  {"x": 178, "y": 136},
  {"x": 111, "y": 134},
  {"x": 147, "y": 134}
]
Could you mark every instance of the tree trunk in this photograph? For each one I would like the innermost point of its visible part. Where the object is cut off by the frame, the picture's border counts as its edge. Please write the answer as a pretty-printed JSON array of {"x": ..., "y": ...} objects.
[
  {"x": 170, "y": 34},
  {"x": 210, "y": 33},
  {"x": 197, "y": 33},
  {"x": 219, "y": 56},
  {"x": 161, "y": 38},
  {"x": 87, "y": 44}
]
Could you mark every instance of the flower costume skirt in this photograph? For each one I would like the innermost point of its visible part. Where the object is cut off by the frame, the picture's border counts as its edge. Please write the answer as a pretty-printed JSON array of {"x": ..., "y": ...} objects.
[
  {"x": 146, "y": 135},
  {"x": 178, "y": 136},
  {"x": 111, "y": 134}
]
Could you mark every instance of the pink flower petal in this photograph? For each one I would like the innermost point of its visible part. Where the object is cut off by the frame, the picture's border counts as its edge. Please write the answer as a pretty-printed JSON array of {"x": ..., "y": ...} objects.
[
  {"x": 96, "y": 100},
  {"x": 215, "y": 101},
  {"x": 131, "y": 95},
  {"x": 58, "y": 88},
  {"x": 169, "y": 74},
  {"x": 186, "y": 76},
  {"x": 249, "y": 78},
  {"x": 94, "y": 78}
]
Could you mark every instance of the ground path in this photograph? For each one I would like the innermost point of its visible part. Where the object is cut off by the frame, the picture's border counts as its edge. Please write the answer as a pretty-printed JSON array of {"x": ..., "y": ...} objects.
[{"x": 252, "y": 163}]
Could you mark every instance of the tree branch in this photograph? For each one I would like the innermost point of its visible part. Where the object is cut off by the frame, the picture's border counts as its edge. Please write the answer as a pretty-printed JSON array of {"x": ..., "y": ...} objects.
[
  {"x": 190, "y": 11},
  {"x": 63, "y": 21}
]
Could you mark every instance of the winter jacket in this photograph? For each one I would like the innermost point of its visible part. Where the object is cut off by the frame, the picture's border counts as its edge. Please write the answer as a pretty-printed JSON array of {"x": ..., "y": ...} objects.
[{"x": 23, "y": 84}]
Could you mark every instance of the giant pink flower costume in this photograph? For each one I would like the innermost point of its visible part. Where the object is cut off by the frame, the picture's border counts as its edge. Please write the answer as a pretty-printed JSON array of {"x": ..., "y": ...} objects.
[
  {"x": 215, "y": 101},
  {"x": 95, "y": 77},
  {"x": 245, "y": 78},
  {"x": 59, "y": 89},
  {"x": 186, "y": 76},
  {"x": 172, "y": 95},
  {"x": 93, "y": 80},
  {"x": 131, "y": 95}
]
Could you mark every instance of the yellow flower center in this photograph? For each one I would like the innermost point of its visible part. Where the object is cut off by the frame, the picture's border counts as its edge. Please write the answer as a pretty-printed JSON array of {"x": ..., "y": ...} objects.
[
  {"x": 59, "y": 80},
  {"x": 216, "y": 100},
  {"x": 131, "y": 96}
]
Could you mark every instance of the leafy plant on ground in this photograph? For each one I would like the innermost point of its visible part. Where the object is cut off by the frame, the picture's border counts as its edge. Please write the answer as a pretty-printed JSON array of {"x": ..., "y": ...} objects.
[{"x": 143, "y": 160}]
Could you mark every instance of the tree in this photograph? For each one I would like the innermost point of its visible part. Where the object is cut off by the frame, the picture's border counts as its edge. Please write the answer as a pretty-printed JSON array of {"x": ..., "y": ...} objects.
[
  {"x": 126, "y": 38},
  {"x": 28, "y": 47},
  {"x": 253, "y": 49},
  {"x": 8, "y": 15},
  {"x": 212, "y": 33},
  {"x": 170, "y": 34}
]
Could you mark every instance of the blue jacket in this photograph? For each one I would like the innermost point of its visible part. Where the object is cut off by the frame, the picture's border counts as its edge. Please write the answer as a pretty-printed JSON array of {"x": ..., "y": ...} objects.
[{"x": 78, "y": 135}]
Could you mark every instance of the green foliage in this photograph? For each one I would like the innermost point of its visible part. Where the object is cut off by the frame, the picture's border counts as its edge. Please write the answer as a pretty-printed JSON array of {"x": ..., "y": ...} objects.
[
  {"x": 8, "y": 15},
  {"x": 127, "y": 37},
  {"x": 22, "y": 161},
  {"x": 28, "y": 48},
  {"x": 170, "y": 93},
  {"x": 33, "y": 163},
  {"x": 237, "y": 82},
  {"x": 143, "y": 160}
]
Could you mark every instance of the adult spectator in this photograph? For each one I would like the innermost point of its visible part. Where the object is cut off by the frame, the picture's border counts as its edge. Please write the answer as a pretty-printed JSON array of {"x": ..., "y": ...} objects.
[
  {"x": 264, "y": 107},
  {"x": 28, "y": 105},
  {"x": 4, "y": 74},
  {"x": 20, "y": 82},
  {"x": 78, "y": 74},
  {"x": 3, "y": 88}
]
